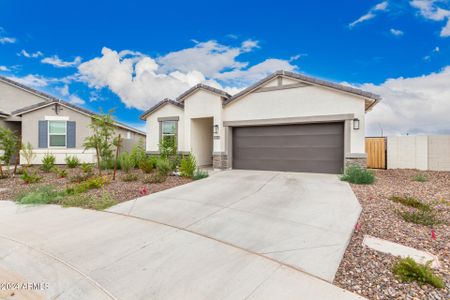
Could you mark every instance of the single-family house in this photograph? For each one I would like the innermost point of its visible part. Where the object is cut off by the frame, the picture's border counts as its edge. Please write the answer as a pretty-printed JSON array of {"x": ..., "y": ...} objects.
[
  {"x": 52, "y": 125},
  {"x": 286, "y": 122}
]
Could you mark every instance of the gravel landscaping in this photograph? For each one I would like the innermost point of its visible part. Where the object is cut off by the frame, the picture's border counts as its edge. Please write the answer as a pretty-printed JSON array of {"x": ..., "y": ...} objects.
[
  {"x": 368, "y": 272},
  {"x": 118, "y": 189}
]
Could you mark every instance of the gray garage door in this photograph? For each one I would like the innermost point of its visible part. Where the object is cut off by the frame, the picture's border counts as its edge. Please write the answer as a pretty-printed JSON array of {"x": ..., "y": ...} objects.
[{"x": 299, "y": 148}]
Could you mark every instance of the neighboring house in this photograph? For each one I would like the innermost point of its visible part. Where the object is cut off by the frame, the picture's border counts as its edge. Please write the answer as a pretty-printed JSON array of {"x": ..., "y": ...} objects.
[
  {"x": 51, "y": 125},
  {"x": 286, "y": 122}
]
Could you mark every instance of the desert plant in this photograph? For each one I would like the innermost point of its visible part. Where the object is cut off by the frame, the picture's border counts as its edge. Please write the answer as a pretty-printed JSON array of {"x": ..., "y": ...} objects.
[
  {"x": 72, "y": 161},
  {"x": 91, "y": 183},
  {"x": 163, "y": 166},
  {"x": 9, "y": 144},
  {"x": 422, "y": 217},
  {"x": 61, "y": 173},
  {"x": 129, "y": 177},
  {"x": 30, "y": 178},
  {"x": 147, "y": 165},
  {"x": 411, "y": 202},
  {"x": 420, "y": 177},
  {"x": 168, "y": 147},
  {"x": 137, "y": 154},
  {"x": 188, "y": 166},
  {"x": 358, "y": 175},
  {"x": 41, "y": 195},
  {"x": 200, "y": 174},
  {"x": 108, "y": 164},
  {"x": 48, "y": 162},
  {"x": 102, "y": 138},
  {"x": 27, "y": 153},
  {"x": 87, "y": 168},
  {"x": 126, "y": 163},
  {"x": 89, "y": 201},
  {"x": 77, "y": 178},
  {"x": 407, "y": 270},
  {"x": 156, "y": 177}
]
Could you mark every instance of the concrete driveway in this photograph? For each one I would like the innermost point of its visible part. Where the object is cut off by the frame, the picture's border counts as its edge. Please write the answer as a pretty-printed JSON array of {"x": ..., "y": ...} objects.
[{"x": 235, "y": 235}]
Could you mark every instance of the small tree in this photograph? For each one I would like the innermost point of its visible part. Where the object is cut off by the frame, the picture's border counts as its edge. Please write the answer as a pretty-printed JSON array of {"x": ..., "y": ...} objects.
[
  {"x": 27, "y": 153},
  {"x": 9, "y": 143},
  {"x": 102, "y": 138}
]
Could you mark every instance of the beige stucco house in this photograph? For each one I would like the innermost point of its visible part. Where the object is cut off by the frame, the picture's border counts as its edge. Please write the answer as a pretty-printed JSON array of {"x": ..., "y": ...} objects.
[
  {"x": 51, "y": 125},
  {"x": 287, "y": 122}
]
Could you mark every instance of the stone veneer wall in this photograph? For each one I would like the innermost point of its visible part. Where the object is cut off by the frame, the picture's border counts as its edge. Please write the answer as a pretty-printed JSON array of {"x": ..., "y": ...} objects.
[
  {"x": 220, "y": 161},
  {"x": 354, "y": 160}
]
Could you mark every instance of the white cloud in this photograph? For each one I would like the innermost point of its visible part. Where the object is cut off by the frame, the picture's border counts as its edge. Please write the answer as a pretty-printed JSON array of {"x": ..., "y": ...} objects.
[
  {"x": 26, "y": 54},
  {"x": 4, "y": 68},
  {"x": 141, "y": 81},
  {"x": 382, "y": 6},
  {"x": 33, "y": 80},
  {"x": 411, "y": 105},
  {"x": 432, "y": 10},
  {"x": 7, "y": 40},
  {"x": 64, "y": 90},
  {"x": 445, "y": 32},
  {"x": 208, "y": 58},
  {"x": 59, "y": 63},
  {"x": 396, "y": 32},
  {"x": 73, "y": 99}
]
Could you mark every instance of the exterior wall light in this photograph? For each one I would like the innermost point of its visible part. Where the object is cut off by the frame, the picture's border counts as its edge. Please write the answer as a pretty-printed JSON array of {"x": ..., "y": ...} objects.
[
  {"x": 355, "y": 124},
  {"x": 216, "y": 129}
]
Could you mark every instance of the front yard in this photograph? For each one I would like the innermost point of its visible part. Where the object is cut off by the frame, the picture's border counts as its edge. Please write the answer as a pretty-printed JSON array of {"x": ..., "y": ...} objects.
[
  {"x": 118, "y": 190},
  {"x": 369, "y": 272}
]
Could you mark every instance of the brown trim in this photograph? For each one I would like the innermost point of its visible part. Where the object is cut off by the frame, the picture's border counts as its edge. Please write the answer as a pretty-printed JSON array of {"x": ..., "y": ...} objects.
[
  {"x": 159, "y": 105},
  {"x": 175, "y": 118},
  {"x": 293, "y": 120},
  {"x": 205, "y": 87}
]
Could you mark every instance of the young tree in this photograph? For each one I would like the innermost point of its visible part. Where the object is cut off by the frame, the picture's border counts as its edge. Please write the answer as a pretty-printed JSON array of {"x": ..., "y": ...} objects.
[
  {"x": 102, "y": 138},
  {"x": 8, "y": 145}
]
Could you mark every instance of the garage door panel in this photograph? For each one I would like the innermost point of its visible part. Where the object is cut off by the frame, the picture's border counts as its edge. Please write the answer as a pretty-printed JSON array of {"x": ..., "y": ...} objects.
[
  {"x": 302, "y": 148},
  {"x": 329, "y": 140}
]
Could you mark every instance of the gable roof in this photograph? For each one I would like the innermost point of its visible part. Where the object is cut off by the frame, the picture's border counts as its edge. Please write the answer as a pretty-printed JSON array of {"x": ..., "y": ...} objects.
[
  {"x": 205, "y": 87},
  {"x": 3, "y": 114},
  {"x": 89, "y": 113},
  {"x": 373, "y": 98},
  {"x": 28, "y": 89},
  {"x": 161, "y": 104}
]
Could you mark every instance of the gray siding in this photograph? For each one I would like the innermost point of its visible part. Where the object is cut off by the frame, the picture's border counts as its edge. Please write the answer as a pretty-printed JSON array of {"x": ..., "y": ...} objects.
[
  {"x": 31, "y": 120},
  {"x": 13, "y": 98}
]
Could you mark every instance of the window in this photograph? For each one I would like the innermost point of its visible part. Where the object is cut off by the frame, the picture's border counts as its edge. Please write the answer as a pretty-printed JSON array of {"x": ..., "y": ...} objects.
[
  {"x": 168, "y": 129},
  {"x": 57, "y": 133}
]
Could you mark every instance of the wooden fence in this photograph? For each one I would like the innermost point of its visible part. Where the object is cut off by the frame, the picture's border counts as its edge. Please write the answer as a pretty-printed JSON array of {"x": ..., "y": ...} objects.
[{"x": 376, "y": 152}]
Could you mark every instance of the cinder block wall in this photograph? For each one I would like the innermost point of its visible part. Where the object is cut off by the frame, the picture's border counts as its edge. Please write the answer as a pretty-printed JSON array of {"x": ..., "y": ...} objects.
[{"x": 418, "y": 152}]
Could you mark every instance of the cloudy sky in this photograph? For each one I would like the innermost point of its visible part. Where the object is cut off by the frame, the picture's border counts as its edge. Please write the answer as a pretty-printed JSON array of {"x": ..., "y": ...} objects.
[{"x": 128, "y": 56}]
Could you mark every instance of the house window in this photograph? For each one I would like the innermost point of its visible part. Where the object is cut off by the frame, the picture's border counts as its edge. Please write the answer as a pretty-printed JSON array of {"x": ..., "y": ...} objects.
[
  {"x": 168, "y": 130},
  {"x": 57, "y": 133}
]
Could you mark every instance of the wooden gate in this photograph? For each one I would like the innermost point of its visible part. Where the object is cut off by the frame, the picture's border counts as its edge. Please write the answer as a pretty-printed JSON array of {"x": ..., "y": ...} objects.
[{"x": 376, "y": 152}]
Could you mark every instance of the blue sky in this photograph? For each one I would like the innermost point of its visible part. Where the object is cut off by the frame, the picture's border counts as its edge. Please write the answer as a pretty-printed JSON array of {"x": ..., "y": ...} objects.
[{"x": 128, "y": 55}]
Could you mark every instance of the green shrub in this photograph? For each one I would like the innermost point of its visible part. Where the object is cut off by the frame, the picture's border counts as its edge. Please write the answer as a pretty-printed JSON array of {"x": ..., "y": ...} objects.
[
  {"x": 411, "y": 202},
  {"x": 422, "y": 217},
  {"x": 407, "y": 270},
  {"x": 126, "y": 163},
  {"x": 30, "y": 178},
  {"x": 27, "y": 153},
  {"x": 137, "y": 154},
  {"x": 91, "y": 183},
  {"x": 147, "y": 165},
  {"x": 48, "y": 162},
  {"x": 40, "y": 195},
  {"x": 168, "y": 147},
  {"x": 61, "y": 173},
  {"x": 108, "y": 164},
  {"x": 200, "y": 174},
  {"x": 421, "y": 178},
  {"x": 358, "y": 175},
  {"x": 156, "y": 177},
  {"x": 88, "y": 201},
  {"x": 163, "y": 166},
  {"x": 87, "y": 168},
  {"x": 129, "y": 177},
  {"x": 188, "y": 166},
  {"x": 72, "y": 161},
  {"x": 77, "y": 178}
]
